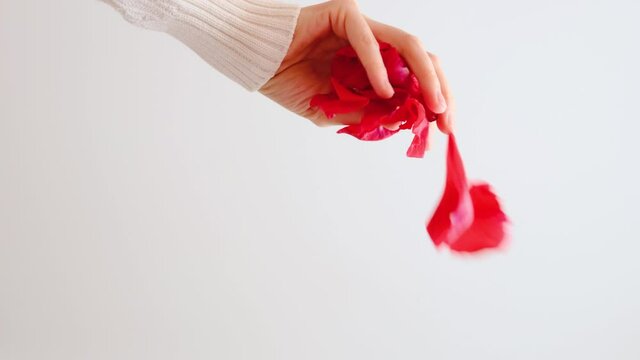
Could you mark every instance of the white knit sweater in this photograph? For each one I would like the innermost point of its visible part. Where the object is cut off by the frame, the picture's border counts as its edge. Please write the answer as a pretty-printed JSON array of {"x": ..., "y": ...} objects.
[{"x": 244, "y": 39}]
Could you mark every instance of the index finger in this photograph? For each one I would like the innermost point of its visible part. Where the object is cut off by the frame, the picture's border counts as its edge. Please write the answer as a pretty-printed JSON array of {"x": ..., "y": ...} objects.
[{"x": 367, "y": 48}]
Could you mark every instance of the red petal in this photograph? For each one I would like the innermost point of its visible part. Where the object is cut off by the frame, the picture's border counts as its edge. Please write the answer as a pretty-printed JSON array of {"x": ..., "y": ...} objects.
[
  {"x": 383, "y": 45},
  {"x": 370, "y": 127},
  {"x": 413, "y": 86},
  {"x": 420, "y": 142},
  {"x": 396, "y": 67},
  {"x": 347, "y": 51},
  {"x": 468, "y": 218},
  {"x": 410, "y": 112},
  {"x": 400, "y": 95},
  {"x": 347, "y": 68},
  {"x": 454, "y": 214},
  {"x": 331, "y": 105},
  {"x": 489, "y": 228},
  {"x": 420, "y": 128},
  {"x": 347, "y": 95},
  {"x": 350, "y": 72},
  {"x": 374, "y": 134}
]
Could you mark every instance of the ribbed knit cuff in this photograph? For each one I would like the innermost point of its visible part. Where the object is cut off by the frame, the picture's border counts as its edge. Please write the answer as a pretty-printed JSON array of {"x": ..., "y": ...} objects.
[{"x": 246, "y": 40}]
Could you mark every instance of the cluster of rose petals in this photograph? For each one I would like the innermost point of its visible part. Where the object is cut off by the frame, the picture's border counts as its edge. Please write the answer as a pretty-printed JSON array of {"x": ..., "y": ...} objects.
[
  {"x": 352, "y": 92},
  {"x": 469, "y": 217}
]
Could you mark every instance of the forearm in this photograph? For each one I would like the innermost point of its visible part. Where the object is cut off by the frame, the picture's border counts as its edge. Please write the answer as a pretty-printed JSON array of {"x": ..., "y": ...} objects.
[{"x": 245, "y": 40}]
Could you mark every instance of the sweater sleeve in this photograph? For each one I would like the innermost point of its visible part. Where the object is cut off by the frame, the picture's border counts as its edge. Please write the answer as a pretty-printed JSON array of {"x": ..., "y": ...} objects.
[{"x": 245, "y": 40}]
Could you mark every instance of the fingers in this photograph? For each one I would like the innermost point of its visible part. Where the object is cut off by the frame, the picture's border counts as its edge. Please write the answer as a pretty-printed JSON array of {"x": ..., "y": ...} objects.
[
  {"x": 429, "y": 75},
  {"x": 366, "y": 46},
  {"x": 362, "y": 32},
  {"x": 446, "y": 119},
  {"x": 420, "y": 63},
  {"x": 359, "y": 34}
]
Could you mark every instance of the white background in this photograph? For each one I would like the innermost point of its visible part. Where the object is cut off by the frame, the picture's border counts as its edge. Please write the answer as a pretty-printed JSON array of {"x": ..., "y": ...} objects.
[{"x": 152, "y": 209}]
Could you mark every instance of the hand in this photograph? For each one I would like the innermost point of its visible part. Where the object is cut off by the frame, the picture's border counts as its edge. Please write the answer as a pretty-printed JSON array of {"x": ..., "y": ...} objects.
[{"x": 324, "y": 28}]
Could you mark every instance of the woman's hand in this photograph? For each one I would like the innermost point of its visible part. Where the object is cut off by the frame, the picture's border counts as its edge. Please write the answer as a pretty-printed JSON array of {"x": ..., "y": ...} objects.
[{"x": 324, "y": 28}]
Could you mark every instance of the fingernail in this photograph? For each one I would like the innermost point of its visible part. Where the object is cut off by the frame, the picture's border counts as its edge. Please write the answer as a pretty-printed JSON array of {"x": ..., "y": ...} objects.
[{"x": 390, "y": 90}]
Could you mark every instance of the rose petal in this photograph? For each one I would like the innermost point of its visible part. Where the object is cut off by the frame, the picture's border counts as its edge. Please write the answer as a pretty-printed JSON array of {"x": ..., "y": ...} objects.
[
  {"x": 454, "y": 213},
  {"x": 370, "y": 127},
  {"x": 396, "y": 67},
  {"x": 345, "y": 94},
  {"x": 467, "y": 219},
  {"x": 350, "y": 72},
  {"x": 420, "y": 143},
  {"x": 413, "y": 87},
  {"x": 372, "y": 134},
  {"x": 347, "y": 52},
  {"x": 489, "y": 227},
  {"x": 408, "y": 113},
  {"x": 331, "y": 105}
]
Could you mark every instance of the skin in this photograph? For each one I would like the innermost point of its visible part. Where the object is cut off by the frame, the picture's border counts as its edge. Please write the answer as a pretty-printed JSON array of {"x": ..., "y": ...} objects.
[{"x": 324, "y": 28}]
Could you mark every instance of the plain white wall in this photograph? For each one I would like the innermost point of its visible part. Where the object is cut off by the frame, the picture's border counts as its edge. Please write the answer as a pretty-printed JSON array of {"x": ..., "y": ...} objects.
[{"x": 152, "y": 209}]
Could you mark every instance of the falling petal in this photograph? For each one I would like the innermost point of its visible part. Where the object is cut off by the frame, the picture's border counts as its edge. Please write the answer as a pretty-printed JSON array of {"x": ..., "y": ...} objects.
[{"x": 468, "y": 218}]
